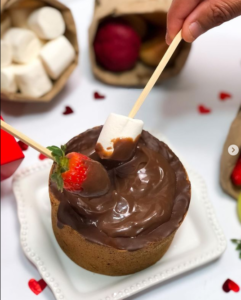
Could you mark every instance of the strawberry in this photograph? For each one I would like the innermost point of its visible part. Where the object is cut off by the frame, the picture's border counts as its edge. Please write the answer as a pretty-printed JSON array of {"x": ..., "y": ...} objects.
[
  {"x": 71, "y": 170},
  {"x": 236, "y": 174}
]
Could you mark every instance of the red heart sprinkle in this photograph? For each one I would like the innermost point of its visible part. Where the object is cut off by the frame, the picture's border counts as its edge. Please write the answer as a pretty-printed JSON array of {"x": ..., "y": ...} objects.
[
  {"x": 23, "y": 146},
  {"x": 42, "y": 157},
  {"x": 230, "y": 285},
  {"x": 224, "y": 96},
  {"x": 37, "y": 286},
  {"x": 203, "y": 109},
  {"x": 68, "y": 110},
  {"x": 98, "y": 96}
]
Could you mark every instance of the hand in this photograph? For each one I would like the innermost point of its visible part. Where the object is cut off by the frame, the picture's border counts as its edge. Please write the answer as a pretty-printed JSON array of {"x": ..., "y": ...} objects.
[{"x": 195, "y": 17}]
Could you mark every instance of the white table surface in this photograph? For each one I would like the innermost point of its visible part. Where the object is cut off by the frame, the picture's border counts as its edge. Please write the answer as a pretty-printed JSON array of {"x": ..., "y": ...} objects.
[{"x": 214, "y": 65}]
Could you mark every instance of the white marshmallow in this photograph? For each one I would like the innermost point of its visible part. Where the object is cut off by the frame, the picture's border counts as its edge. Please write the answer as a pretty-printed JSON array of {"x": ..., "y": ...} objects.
[
  {"x": 32, "y": 79},
  {"x": 25, "y": 45},
  {"x": 8, "y": 82},
  {"x": 6, "y": 54},
  {"x": 118, "y": 126},
  {"x": 57, "y": 55},
  {"x": 5, "y": 23},
  {"x": 47, "y": 23}
]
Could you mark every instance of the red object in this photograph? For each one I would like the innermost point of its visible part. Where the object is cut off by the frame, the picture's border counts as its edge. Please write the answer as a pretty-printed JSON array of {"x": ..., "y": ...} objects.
[
  {"x": 37, "y": 286},
  {"x": 98, "y": 96},
  {"x": 42, "y": 157},
  {"x": 203, "y": 109},
  {"x": 76, "y": 175},
  {"x": 68, "y": 110},
  {"x": 117, "y": 46},
  {"x": 23, "y": 146},
  {"x": 230, "y": 285},
  {"x": 11, "y": 155},
  {"x": 236, "y": 174},
  {"x": 224, "y": 96}
]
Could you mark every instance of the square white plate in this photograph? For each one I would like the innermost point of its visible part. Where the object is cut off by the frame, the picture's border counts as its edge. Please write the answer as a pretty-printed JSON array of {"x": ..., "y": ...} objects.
[{"x": 198, "y": 241}]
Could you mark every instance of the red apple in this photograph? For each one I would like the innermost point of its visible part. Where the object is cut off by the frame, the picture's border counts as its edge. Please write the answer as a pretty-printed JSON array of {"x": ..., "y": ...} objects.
[{"x": 117, "y": 46}]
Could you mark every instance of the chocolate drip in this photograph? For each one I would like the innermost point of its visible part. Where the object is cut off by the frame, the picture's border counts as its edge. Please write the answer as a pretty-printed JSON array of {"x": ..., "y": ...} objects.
[
  {"x": 123, "y": 149},
  {"x": 147, "y": 199}
]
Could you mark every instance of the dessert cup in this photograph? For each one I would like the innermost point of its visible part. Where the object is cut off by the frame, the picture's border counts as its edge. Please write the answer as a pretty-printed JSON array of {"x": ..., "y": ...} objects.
[{"x": 131, "y": 227}]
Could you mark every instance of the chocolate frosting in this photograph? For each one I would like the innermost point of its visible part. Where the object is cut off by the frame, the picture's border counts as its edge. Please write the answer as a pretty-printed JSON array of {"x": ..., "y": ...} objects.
[
  {"x": 123, "y": 149},
  {"x": 148, "y": 197}
]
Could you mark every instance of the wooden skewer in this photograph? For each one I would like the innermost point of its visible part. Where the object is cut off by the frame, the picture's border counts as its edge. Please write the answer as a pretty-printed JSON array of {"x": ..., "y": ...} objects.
[
  {"x": 156, "y": 74},
  {"x": 6, "y": 127}
]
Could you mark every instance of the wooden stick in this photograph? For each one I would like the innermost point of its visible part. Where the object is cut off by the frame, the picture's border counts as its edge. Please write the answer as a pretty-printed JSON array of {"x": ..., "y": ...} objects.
[
  {"x": 6, "y": 127},
  {"x": 156, "y": 74}
]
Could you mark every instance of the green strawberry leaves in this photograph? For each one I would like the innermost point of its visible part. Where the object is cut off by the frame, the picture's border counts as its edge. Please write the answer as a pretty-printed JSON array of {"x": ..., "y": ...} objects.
[
  {"x": 62, "y": 164},
  {"x": 238, "y": 245}
]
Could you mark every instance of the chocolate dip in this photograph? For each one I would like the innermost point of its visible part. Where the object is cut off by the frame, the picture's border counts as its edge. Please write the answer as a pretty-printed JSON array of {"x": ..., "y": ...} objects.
[
  {"x": 97, "y": 182},
  {"x": 148, "y": 197},
  {"x": 123, "y": 149}
]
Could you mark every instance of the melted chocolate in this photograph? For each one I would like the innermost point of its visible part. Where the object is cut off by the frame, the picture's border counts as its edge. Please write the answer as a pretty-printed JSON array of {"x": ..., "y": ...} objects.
[
  {"x": 97, "y": 182},
  {"x": 123, "y": 149},
  {"x": 147, "y": 200}
]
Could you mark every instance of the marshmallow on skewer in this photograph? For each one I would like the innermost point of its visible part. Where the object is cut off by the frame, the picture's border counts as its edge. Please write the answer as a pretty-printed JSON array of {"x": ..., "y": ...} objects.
[
  {"x": 119, "y": 137},
  {"x": 32, "y": 79},
  {"x": 6, "y": 54},
  {"x": 8, "y": 81},
  {"x": 57, "y": 55},
  {"x": 25, "y": 44},
  {"x": 47, "y": 23}
]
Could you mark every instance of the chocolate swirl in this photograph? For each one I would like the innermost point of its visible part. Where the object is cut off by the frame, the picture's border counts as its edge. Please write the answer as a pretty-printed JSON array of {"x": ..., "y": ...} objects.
[{"x": 148, "y": 198}]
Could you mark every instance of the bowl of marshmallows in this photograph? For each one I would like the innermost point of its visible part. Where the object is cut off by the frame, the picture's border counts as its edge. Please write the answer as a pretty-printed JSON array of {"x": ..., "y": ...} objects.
[{"x": 39, "y": 49}]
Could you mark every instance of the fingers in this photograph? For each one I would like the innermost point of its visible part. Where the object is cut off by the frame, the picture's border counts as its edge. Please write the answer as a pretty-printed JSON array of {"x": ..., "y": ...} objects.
[
  {"x": 178, "y": 12},
  {"x": 208, "y": 14}
]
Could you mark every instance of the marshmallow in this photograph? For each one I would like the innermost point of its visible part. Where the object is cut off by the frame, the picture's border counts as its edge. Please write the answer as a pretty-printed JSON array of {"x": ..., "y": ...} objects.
[
  {"x": 8, "y": 82},
  {"x": 47, "y": 23},
  {"x": 119, "y": 137},
  {"x": 5, "y": 23},
  {"x": 25, "y": 45},
  {"x": 6, "y": 54},
  {"x": 32, "y": 79},
  {"x": 57, "y": 55}
]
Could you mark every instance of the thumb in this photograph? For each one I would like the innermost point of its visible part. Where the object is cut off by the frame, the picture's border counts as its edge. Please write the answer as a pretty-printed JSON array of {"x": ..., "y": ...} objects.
[{"x": 208, "y": 14}]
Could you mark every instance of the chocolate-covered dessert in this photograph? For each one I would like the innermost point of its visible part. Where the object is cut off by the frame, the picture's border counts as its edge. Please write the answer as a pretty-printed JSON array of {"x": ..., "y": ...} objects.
[{"x": 132, "y": 224}]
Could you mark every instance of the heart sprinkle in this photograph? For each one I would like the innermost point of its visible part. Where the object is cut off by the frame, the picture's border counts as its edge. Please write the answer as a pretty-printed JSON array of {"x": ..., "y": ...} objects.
[
  {"x": 224, "y": 96},
  {"x": 203, "y": 109},
  {"x": 37, "y": 286},
  {"x": 23, "y": 146},
  {"x": 230, "y": 285},
  {"x": 98, "y": 96},
  {"x": 68, "y": 110},
  {"x": 42, "y": 157}
]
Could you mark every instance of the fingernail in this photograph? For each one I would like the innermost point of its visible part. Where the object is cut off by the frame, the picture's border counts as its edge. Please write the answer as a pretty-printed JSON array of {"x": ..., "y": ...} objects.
[
  {"x": 195, "y": 30},
  {"x": 168, "y": 40}
]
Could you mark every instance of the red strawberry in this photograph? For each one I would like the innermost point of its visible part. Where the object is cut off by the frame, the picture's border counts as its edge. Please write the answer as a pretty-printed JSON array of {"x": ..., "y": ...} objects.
[
  {"x": 236, "y": 174},
  {"x": 78, "y": 173}
]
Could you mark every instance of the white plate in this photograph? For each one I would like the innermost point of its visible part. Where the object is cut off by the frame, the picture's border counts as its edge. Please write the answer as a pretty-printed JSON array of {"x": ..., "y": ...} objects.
[{"x": 198, "y": 241}]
